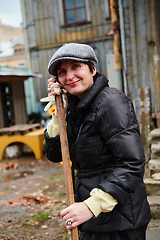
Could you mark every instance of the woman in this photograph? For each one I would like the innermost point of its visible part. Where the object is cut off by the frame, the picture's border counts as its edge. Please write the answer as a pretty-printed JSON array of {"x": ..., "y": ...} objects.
[{"x": 105, "y": 148}]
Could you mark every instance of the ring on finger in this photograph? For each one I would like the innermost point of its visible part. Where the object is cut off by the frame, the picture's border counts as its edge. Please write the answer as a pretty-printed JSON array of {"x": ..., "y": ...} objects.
[{"x": 69, "y": 222}]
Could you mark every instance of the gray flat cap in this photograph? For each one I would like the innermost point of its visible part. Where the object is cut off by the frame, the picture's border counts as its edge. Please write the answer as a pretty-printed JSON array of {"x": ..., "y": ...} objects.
[{"x": 75, "y": 51}]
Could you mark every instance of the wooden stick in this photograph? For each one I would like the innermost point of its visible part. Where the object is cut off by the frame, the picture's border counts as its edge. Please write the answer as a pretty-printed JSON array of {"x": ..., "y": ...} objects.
[{"x": 66, "y": 159}]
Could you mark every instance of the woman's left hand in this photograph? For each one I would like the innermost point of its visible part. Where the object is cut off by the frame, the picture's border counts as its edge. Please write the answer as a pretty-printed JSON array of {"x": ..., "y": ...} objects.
[{"x": 78, "y": 213}]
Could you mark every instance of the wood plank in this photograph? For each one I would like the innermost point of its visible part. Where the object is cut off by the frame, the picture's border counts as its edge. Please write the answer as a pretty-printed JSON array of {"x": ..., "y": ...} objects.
[
  {"x": 19, "y": 104},
  {"x": 20, "y": 129},
  {"x": 1, "y": 109}
]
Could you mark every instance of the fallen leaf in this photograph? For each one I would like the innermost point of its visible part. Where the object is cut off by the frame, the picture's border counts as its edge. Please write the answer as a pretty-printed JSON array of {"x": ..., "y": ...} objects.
[
  {"x": 18, "y": 226},
  {"x": 8, "y": 166},
  {"x": 44, "y": 226},
  {"x": 36, "y": 223}
]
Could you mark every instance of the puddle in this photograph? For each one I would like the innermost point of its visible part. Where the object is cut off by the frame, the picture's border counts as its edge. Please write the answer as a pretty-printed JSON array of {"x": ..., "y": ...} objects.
[{"x": 13, "y": 176}]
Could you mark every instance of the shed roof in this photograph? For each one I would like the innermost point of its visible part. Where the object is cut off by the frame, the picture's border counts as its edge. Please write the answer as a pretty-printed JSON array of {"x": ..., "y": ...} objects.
[{"x": 18, "y": 76}]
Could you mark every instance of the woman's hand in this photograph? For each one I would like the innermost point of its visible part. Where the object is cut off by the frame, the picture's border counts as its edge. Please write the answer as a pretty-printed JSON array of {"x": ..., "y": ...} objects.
[
  {"x": 78, "y": 213},
  {"x": 55, "y": 88}
]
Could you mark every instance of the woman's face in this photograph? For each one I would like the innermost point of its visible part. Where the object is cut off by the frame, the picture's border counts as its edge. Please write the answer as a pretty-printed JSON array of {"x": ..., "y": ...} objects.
[{"x": 75, "y": 77}]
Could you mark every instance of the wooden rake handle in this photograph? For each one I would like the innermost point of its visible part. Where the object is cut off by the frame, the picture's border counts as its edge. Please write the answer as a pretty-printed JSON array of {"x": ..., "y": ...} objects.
[{"x": 66, "y": 159}]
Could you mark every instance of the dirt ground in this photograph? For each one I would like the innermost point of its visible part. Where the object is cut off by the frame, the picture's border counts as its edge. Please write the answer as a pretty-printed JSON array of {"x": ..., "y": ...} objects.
[{"x": 32, "y": 195}]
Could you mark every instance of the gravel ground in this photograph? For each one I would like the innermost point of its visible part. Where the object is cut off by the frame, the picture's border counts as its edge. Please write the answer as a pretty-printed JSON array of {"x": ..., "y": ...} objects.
[{"x": 31, "y": 197}]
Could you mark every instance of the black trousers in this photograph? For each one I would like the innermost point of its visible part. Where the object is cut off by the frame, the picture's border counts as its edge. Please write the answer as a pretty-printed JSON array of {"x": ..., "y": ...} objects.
[{"x": 133, "y": 234}]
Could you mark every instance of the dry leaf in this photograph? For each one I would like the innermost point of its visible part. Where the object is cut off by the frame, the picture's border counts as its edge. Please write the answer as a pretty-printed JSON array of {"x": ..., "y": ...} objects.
[
  {"x": 8, "y": 166},
  {"x": 44, "y": 226},
  {"x": 36, "y": 223}
]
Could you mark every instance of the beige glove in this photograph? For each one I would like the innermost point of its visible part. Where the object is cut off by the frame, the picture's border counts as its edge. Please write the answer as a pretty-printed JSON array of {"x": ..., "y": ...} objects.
[
  {"x": 55, "y": 88},
  {"x": 52, "y": 127},
  {"x": 100, "y": 201}
]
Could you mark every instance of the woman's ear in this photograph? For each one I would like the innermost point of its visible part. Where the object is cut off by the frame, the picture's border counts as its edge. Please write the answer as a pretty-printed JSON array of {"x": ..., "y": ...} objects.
[{"x": 94, "y": 70}]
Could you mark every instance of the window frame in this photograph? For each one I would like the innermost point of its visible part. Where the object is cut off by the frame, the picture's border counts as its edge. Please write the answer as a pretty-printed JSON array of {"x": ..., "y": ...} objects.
[{"x": 75, "y": 8}]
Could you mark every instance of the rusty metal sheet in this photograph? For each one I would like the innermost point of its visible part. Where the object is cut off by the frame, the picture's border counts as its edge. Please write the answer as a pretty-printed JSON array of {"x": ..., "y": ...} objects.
[{"x": 142, "y": 108}]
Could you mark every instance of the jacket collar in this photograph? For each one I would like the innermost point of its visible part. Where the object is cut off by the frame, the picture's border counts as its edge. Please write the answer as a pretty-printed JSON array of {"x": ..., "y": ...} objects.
[{"x": 97, "y": 87}]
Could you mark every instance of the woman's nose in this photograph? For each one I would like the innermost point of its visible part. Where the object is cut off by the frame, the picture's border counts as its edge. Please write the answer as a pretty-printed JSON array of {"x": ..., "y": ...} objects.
[{"x": 69, "y": 75}]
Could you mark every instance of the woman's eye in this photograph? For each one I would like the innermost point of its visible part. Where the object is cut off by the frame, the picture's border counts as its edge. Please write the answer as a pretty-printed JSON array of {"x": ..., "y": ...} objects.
[
  {"x": 60, "y": 72},
  {"x": 76, "y": 66}
]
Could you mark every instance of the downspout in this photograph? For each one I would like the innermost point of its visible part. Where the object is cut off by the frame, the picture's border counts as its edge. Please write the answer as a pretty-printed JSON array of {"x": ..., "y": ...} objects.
[
  {"x": 123, "y": 43},
  {"x": 116, "y": 43}
]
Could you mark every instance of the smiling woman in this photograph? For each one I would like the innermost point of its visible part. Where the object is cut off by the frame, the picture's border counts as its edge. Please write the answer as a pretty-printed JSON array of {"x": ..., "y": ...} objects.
[{"x": 105, "y": 148}]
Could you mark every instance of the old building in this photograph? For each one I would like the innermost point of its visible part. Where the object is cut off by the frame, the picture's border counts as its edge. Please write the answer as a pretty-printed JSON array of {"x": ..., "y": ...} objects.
[
  {"x": 48, "y": 24},
  {"x": 12, "y": 53}
]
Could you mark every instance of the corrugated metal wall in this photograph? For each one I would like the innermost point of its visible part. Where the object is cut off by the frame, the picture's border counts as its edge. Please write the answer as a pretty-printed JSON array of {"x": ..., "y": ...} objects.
[
  {"x": 46, "y": 33},
  {"x": 44, "y": 21},
  {"x": 141, "y": 37}
]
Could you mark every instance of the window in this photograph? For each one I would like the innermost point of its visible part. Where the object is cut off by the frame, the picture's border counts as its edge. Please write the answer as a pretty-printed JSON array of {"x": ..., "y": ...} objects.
[
  {"x": 18, "y": 49},
  {"x": 21, "y": 65},
  {"x": 74, "y": 11}
]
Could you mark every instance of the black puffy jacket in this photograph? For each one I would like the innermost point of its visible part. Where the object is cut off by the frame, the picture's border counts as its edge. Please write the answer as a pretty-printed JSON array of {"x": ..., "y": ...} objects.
[{"x": 108, "y": 155}]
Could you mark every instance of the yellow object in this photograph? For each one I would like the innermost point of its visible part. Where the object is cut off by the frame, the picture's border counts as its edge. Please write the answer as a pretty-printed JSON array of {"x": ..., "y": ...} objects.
[
  {"x": 62, "y": 163},
  {"x": 100, "y": 201},
  {"x": 32, "y": 139},
  {"x": 51, "y": 110},
  {"x": 52, "y": 127}
]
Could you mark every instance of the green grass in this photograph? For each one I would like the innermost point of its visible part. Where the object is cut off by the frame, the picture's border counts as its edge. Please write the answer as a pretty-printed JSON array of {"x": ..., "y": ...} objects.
[
  {"x": 41, "y": 217},
  {"x": 61, "y": 194},
  {"x": 52, "y": 178},
  {"x": 24, "y": 223}
]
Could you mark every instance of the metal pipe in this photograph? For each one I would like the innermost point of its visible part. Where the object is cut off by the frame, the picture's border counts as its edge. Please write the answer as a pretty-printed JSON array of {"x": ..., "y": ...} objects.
[{"x": 123, "y": 44}]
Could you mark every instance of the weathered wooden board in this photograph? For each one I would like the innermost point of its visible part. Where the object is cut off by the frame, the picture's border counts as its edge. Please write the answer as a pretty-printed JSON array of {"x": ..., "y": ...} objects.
[{"x": 19, "y": 129}]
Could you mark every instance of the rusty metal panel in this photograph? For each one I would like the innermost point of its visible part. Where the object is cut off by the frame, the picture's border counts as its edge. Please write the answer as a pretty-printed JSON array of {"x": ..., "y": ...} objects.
[
  {"x": 145, "y": 114},
  {"x": 142, "y": 108}
]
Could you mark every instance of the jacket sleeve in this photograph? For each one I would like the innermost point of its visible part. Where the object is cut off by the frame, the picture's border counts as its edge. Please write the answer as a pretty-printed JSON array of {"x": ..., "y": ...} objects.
[
  {"x": 100, "y": 201},
  {"x": 120, "y": 130},
  {"x": 52, "y": 148}
]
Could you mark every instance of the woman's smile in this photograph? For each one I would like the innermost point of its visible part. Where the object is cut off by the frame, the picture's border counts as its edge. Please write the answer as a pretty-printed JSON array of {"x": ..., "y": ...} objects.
[{"x": 73, "y": 83}]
